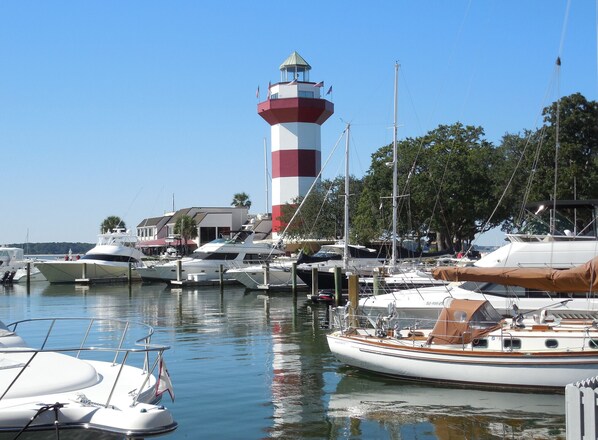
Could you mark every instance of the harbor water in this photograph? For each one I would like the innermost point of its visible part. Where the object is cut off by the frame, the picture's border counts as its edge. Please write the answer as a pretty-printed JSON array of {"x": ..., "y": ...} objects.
[{"x": 246, "y": 365}]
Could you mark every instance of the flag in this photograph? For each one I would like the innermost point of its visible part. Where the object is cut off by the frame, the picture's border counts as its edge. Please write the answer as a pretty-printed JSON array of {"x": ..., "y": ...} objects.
[
  {"x": 164, "y": 383},
  {"x": 329, "y": 91},
  {"x": 269, "y": 85},
  {"x": 320, "y": 84},
  {"x": 257, "y": 92}
]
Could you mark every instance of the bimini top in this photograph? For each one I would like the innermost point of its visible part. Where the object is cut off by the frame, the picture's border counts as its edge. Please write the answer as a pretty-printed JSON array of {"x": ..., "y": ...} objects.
[
  {"x": 463, "y": 320},
  {"x": 578, "y": 279}
]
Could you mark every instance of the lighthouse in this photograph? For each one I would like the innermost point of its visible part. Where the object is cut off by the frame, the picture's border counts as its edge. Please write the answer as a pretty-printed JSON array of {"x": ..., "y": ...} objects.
[{"x": 295, "y": 111}]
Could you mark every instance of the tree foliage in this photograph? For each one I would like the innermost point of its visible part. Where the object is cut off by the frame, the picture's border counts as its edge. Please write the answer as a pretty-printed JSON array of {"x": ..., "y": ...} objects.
[
  {"x": 110, "y": 223},
  {"x": 241, "y": 199},
  {"x": 322, "y": 214},
  {"x": 186, "y": 228},
  {"x": 444, "y": 185},
  {"x": 535, "y": 157}
]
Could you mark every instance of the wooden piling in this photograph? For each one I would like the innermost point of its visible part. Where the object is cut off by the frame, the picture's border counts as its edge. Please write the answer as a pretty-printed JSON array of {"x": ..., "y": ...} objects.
[
  {"x": 179, "y": 267},
  {"x": 266, "y": 268},
  {"x": 376, "y": 282},
  {"x": 338, "y": 286},
  {"x": 314, "y": 282},
  {"x": 294, "y": 276},
  {"x": 353, "y": 298}
]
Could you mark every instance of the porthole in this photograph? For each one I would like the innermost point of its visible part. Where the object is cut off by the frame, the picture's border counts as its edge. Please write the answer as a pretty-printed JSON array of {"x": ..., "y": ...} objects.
[
  {"x": 480, "y": 343},
  {"x": 551, "y": 343},
  {"x": 514, "y": 344}
]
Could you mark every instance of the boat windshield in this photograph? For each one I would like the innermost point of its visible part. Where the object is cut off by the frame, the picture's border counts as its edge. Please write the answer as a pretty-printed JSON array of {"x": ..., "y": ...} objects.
[
  {"x": 214, "y": 255},
  {"x": 108, "y": 257},
  {"x": 578, "y": 219}
]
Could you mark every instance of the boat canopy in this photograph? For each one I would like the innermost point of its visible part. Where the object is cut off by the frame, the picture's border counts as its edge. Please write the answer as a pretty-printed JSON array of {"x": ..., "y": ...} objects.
[
  {"x": 580, "y": 279},
  {"x": 463, "y": 320}
]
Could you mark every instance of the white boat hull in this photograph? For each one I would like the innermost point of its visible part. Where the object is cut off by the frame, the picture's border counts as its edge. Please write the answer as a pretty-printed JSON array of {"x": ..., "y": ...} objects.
[
  {"x": 207, "y": 271},
  {"x": 507, "y": 369},
  {"x": 253, "y": 278},
  {"x": 71, "y": 271},
  {"x": 58, "y": 389}
]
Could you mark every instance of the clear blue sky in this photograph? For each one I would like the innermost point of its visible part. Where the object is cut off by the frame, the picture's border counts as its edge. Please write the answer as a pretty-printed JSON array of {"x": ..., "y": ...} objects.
[{"x": 111, "y": 107}]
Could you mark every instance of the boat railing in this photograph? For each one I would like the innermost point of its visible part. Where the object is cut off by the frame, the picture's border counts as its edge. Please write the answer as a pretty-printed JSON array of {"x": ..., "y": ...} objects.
[{"x": 120, "y": 342}]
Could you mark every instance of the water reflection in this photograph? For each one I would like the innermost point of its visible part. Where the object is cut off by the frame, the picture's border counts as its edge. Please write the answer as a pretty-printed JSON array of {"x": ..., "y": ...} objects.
[
  {"x": 411, "y": 410},
  {"x": 246, "y": 365}
]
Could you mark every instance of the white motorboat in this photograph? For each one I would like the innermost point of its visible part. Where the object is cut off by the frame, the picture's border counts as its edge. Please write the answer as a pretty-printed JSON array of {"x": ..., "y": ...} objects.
[
  {"x": 524, "y": 250},
  {"x": 273, "y": 276},
  {"x": 471, "y": 343},
  {"x": 353, "y": 259},
  {"x": 204, "y": 264},
  {"x": 110, "y": 381},
  {"x": 112, "y": 259},
  {"x": 14, "y": 266}
]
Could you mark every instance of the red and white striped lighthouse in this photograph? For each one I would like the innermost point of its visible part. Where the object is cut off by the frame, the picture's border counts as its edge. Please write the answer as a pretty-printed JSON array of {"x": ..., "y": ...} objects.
[{"x": 295, "y": 112}]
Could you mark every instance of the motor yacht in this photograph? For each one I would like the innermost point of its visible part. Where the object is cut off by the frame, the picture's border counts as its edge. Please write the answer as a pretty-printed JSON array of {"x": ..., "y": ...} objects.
[
  {"x": 112, "y": 259},
  {"x": 205, "y": 263},
  {"x": 535, "y": 246}
]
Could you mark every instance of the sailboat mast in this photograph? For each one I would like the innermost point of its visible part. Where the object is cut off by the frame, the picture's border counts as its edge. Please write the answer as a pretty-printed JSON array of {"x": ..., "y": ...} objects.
[
  {"x": 394, "y": 172},
  {"x": 346, "y": 213}
]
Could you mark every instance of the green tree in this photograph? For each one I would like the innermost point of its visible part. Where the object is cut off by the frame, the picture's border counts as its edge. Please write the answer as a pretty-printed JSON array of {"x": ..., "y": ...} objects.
[
  {"x": 534, "y": 157},
  {"x": 241, "y": 199},
  {"x": 186, "y": 228},
  {"x": 444, "y": 186},
  {"x": 110, "y": 223},
  {"x": 322, "y": 214}
]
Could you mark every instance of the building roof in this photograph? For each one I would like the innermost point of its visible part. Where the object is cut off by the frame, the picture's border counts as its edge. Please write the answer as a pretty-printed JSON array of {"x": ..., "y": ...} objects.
[
  {"x": 150, "y": 222},
  {"x": 294, "y": 60}
]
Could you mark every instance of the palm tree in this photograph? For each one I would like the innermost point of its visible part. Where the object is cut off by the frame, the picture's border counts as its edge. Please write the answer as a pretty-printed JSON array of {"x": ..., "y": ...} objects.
[
  {"x": 110, "y": 223},
  {"x": 186, "y": 228},
  {"x": 241, "y": 199}
]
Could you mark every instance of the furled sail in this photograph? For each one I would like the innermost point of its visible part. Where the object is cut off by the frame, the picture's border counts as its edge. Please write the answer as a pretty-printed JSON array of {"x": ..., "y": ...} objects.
[{"x": 582, "y": 278}]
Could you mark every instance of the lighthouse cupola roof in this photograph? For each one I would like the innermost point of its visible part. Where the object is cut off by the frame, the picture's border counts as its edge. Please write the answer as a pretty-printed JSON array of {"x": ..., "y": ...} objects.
[{"x": 294, "y": 68}]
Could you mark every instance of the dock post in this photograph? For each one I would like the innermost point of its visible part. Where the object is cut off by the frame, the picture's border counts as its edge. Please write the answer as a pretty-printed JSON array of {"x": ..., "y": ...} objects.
[
  {"x": 266, "y": 268},
  {"x": 28, "y": 274},
  {"x": 179, "y": 266},
  {"x": 294, "y": 278},
  {"x": 221, "y": 277},
  {"x": 353, "y": 298},
  {"x": 130, "y": 273},
  {"x": 314, "y": 282},
  {"x": 338, "y": 286},
  {"x": 84, "y": 271},
  {"x": 376, "y": 282}
]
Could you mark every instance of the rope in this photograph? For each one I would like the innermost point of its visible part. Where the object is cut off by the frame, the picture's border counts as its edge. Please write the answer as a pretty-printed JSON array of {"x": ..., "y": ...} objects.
[{"x": 55, "y": 407}]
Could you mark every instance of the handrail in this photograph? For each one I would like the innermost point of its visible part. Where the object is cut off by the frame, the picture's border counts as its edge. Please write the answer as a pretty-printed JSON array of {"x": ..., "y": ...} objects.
[{"x": 141, "y": 345}]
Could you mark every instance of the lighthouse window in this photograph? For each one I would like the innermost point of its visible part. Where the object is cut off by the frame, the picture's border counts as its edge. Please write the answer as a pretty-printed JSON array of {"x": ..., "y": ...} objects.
[
  {"x": 305, "y": 94},
  {"x": 274, "y": 96}
]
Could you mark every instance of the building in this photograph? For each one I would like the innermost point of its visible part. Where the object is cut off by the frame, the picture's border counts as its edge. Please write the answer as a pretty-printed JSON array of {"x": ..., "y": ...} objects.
[
  {"x": 295, "y": 111},
  {"x": 156, "y": 234}
]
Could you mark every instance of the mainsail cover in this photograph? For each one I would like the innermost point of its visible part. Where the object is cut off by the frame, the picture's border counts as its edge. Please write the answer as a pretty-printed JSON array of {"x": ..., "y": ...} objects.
[{"x": 578, "y": 279}]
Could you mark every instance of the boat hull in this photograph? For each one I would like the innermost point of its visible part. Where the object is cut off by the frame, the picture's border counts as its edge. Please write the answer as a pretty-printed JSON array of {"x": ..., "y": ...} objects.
[
  {"x": 254, "y": 279},
  {"x": 506, "y": 369},
  {"x": 72, "y": 271}
]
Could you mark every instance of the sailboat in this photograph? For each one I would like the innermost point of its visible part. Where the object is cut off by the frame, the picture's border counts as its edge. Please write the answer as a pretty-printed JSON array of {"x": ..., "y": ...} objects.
[{"x": 351, "y": 258}]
